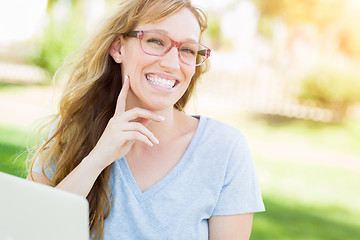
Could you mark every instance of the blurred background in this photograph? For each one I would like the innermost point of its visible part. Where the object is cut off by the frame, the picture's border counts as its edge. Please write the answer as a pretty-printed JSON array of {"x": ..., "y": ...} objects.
[{"x": 286, "y": 73}]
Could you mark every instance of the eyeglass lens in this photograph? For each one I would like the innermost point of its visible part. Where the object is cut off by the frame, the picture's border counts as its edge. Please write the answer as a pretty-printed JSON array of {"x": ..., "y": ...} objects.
[{"x": 158, "y": 44}]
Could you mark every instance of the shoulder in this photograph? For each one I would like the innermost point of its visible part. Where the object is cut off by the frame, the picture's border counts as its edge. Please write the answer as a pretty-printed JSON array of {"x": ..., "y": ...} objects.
[
  {"x": 221, "y": 133},
  {"x": 220, "y": 143}
]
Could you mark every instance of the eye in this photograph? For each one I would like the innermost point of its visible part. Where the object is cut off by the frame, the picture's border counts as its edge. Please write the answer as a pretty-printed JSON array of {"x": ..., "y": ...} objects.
[
  {"x": 188, "y": 51},
  {"x": 155, "y": 41}
]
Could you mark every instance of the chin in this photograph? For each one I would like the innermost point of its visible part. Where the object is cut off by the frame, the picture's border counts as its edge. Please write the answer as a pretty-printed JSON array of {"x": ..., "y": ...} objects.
[{"x": 159, "y": 106}]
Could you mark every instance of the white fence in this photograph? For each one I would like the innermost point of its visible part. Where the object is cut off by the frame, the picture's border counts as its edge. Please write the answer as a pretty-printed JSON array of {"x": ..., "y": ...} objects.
[{"x": 224, "y": 91}]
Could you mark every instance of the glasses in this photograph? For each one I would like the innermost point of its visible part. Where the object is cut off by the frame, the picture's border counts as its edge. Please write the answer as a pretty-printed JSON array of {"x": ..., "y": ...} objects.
[{"x": 157, "y": 44}]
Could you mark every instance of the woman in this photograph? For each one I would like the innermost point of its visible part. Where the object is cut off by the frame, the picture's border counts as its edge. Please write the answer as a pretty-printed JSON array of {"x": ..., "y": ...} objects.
[{"x": 121, "y": 139}]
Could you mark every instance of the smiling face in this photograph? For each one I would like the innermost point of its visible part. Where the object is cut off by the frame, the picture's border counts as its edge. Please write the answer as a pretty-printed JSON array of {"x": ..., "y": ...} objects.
[{"x": 158, "y": 82}]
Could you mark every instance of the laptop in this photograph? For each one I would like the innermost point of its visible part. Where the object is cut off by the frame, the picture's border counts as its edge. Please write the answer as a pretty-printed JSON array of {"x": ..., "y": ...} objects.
[{"x": 30, "y": 210}]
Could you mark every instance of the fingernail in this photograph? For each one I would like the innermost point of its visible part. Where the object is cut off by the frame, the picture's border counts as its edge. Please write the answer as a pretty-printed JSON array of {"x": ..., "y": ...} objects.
[
  {"x": 151, "y": 144},
  {"x": 126, "y": 78},
  {"x": 161, "y": 117},
  {"x": 156, "y": 141}
]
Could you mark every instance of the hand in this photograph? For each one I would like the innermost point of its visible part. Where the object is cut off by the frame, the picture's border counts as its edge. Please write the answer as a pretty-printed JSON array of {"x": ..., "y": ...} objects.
[{"x": 122, "y": 131}]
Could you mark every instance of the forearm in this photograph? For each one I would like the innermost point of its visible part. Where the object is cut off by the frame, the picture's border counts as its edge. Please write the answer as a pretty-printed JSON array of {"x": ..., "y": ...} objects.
[{"x": 82, "y": 178}]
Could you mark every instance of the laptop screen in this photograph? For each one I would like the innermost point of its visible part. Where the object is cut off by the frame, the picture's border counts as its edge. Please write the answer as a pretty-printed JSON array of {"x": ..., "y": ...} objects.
[{"x": 30, "y": 210}]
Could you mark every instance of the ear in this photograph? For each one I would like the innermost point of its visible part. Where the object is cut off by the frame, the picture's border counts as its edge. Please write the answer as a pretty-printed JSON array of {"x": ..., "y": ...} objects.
[{"x": 115, "y": 49}]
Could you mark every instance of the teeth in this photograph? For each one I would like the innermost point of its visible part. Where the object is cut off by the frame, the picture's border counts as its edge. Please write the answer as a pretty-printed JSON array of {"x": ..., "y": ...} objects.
[{"x": 161, "y": 81}]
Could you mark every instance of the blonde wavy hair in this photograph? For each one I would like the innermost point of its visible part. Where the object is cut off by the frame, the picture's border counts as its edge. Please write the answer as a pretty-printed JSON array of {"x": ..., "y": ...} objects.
[{"x": 89, "y": 99}]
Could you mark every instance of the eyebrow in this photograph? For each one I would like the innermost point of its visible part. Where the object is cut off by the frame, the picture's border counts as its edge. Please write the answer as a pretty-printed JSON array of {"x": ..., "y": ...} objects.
[{"x": 167, "y": 33}]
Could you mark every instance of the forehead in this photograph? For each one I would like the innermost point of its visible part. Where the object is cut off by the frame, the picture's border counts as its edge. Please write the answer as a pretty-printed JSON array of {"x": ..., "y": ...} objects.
[{"x": 180, "y": 26}]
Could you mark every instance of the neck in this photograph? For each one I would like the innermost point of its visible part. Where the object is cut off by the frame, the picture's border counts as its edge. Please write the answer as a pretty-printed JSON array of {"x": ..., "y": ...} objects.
[{"x": 166, "y": 129}]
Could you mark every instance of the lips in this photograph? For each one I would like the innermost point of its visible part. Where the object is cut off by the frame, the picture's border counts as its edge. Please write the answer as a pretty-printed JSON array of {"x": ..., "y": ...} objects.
[{"x": 161, "y": 81}]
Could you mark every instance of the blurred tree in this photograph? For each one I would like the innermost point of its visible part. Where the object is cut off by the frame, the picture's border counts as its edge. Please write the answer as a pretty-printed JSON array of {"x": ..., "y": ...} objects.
[
  {"x": 343, "y": 16},
  {"x": 51, "y": 4},
  {"x": 62, "y": 35},
  {"x": 333, "y": 87},
  {"x": 214, "y": 30},
  {"x": 295, "y": 12},
  {"x": 214, "y": 33},
  {"x": 348, "y": 26}
]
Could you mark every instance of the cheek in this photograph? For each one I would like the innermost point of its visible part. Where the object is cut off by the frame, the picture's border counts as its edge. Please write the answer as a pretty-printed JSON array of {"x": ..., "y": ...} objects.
[
  {"x": 189, "y": 73},
  {"x": 135, "y": 63},
  {"x": 132, "y": 58}
]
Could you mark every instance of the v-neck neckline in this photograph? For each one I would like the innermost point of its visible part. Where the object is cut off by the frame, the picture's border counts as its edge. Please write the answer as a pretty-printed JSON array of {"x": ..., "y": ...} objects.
[{"x": 142, "y": 196}]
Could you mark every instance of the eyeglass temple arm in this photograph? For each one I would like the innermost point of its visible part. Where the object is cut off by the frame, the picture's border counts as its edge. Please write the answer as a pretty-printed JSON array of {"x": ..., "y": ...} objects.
[
  {"x": 132, "y": 34},
  {"x": 204, "y": 52}
]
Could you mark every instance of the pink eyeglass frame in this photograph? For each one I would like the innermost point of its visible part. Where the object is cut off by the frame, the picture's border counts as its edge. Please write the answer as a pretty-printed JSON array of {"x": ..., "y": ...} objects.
[{"x": 140, "y": 34}]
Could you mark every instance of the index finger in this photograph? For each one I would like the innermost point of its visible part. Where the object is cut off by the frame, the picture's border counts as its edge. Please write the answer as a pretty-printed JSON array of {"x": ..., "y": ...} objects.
[{"x": 121, "y": 101}]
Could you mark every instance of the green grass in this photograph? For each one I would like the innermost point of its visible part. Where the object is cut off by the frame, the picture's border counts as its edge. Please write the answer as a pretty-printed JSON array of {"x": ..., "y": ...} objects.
[
  {"x": 304, "y": 200},
  {"x": 337, "y": 137},
  {"x": 13, "y": 150},
  {"x": 288, "y": 220},
  {"x": 10, "y": 88}
]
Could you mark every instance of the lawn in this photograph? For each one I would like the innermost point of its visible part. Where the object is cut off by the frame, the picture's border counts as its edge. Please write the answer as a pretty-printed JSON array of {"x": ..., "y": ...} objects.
[
  {"x": 13, "y": 151},
  {"x": 303, "y": 199},
  {"x": 306, "y": 201}
]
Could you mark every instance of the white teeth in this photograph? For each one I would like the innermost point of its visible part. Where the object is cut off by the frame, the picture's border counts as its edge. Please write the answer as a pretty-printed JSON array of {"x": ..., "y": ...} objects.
[{"x": 161, "y": 81}]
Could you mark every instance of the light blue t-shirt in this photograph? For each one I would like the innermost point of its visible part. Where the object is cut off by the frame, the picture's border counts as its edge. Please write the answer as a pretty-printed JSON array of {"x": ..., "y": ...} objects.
[{"x": 216, "y": 176}]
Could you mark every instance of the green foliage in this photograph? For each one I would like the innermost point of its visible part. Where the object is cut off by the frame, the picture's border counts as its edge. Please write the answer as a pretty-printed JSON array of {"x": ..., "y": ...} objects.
[
  {"x": 59, "y": 39},
  {"x": 265, "y": 27},
  {"x": 331, "y": 87},
  {"x": 214, "y": 33}
]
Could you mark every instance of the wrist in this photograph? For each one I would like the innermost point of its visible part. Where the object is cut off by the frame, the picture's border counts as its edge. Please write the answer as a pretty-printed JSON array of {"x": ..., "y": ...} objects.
[{"x": 91, "y": 163}]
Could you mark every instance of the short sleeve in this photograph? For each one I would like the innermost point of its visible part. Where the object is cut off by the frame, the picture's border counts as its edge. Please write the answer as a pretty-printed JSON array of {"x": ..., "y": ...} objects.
[
  {"x": 240, "y": 192},
  {"x": 49, "y": 170}
]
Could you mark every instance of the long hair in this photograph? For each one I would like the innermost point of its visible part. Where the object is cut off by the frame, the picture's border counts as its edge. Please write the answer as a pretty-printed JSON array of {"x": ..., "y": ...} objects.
[{"x": 89, "y": 99}]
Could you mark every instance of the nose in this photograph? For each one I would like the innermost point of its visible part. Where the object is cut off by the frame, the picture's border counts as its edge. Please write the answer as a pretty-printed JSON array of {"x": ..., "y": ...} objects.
[{"x": 170, "y": 60}]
